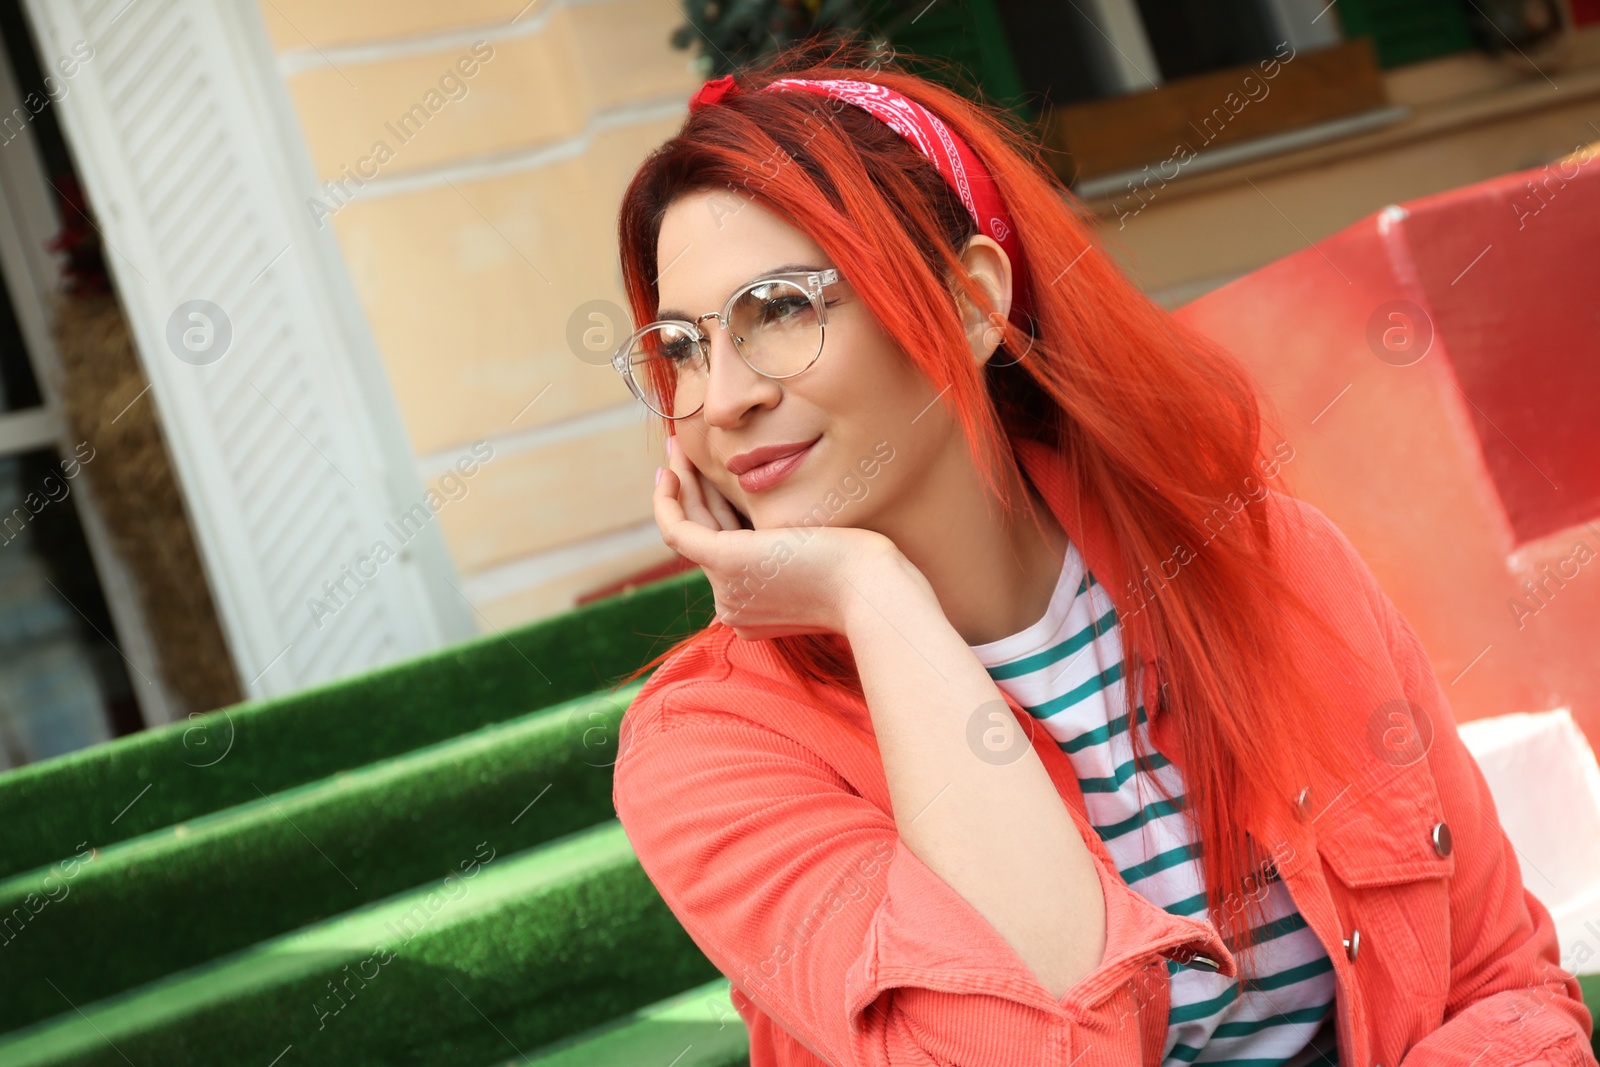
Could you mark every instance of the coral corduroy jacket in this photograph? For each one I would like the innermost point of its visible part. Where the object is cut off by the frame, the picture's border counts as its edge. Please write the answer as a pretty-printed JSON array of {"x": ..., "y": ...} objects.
[{"x": 762, "y": 816}]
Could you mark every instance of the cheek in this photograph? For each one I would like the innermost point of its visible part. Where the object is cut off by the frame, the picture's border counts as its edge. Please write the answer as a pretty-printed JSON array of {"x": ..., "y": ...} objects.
[
  {"x": 699, "y": 453},
  {"x": 867, "y": 380}
]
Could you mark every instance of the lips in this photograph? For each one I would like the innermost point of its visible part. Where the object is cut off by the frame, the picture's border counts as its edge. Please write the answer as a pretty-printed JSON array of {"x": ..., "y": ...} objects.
[
  {"x": 754, "y": 458},
  {"x": 764, "y": 468}
]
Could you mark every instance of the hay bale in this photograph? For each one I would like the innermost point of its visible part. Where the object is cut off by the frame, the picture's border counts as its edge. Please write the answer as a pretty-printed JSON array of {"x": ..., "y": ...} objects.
[{"x": 137, "y": 494}]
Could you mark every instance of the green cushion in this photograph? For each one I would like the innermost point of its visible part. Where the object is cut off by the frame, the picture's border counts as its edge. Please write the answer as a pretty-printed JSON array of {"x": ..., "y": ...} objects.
[
  {"x": 303, "y": 854},
  {"x": 530, "y": 948},
  {"x": 234, "y": 755},
  {"x": 699, "y": 1028},
  {"x": 232, "y": 868},
  {"x": 1590, "y": 983}
]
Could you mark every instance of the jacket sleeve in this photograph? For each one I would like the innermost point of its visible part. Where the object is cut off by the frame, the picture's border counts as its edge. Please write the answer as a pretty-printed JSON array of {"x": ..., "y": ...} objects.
[
  {"x": 801, "y": 892},
  {"x": 1510, "y": 1001}
]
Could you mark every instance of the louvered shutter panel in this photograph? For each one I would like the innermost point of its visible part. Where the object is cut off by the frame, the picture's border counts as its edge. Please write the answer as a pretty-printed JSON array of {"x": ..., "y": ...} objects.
[{"x": 288, "y": 448}]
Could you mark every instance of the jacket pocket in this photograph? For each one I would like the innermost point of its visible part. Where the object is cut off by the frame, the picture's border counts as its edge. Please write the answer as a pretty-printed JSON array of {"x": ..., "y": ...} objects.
[{"x": 1390, "y": 883}]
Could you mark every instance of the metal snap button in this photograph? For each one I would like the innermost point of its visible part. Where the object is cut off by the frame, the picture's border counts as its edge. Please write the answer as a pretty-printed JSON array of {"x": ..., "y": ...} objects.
[
  {"x": 1303, "y": 802},
  {"x": 1182, "y": 955},
  {"x": 1441, "y": 838},
  {"x": 1352, "y": 944}
]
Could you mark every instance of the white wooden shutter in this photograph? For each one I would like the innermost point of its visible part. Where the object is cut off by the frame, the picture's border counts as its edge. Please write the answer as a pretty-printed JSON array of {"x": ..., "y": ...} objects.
[{"x": 288, "y": 448}]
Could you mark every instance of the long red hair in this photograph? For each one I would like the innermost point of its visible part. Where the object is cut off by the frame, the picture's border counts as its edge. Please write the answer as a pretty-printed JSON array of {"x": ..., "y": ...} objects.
[{"x": 1159, "y": 426}]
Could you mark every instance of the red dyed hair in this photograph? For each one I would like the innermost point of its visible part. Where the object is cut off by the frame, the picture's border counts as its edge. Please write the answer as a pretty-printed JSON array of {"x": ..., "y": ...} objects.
[{"x": 1158, "y": 424}]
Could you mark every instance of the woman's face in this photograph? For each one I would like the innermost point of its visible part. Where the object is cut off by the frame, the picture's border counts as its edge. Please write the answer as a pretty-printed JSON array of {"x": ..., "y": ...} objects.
[{"x": 860, "y": 393}]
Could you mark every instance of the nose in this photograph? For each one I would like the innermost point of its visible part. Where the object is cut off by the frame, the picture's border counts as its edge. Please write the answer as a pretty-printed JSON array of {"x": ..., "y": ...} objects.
[{"x": 733, "y": 387}]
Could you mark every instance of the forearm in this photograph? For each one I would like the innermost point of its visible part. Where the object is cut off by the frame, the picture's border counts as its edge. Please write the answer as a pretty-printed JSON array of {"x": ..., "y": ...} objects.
[{"x": 996, "y": 831}]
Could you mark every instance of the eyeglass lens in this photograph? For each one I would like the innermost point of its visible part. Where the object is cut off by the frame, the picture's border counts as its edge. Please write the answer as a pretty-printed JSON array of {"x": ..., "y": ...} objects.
[{"x": 774, "y": 327}]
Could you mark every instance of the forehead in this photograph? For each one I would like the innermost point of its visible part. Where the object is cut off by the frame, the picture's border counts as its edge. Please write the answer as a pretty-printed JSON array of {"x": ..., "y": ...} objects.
[{"x": 713, "y": 241}]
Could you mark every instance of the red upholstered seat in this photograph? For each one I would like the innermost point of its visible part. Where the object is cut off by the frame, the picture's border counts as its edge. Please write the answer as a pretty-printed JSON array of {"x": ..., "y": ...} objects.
[{"x": 1435, "y": 368}]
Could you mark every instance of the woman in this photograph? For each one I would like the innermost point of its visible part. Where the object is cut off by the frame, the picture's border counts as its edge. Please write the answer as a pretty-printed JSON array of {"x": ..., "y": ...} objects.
[{"x": 1034, "y": 728}]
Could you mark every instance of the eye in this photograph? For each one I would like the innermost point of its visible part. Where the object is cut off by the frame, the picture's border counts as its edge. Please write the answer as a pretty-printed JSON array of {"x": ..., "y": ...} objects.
[
  {"x": 782, "y": 309},
  {"x": 668, "y": 343},
  {"x": 680, "y": 350}
]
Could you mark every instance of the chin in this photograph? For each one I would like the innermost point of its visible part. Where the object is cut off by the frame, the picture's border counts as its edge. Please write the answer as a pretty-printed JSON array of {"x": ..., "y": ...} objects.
[{"x": 765, "y": 519}]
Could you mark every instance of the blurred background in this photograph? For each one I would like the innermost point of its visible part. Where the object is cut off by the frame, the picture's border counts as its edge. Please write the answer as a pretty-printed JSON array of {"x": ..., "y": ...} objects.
[
  {"x": 327, "y": 291},
  {"x": 308, "y": 309}
]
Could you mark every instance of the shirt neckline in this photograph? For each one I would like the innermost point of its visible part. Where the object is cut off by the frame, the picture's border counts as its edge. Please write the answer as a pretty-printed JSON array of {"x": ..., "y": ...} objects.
[{"x": 1041, "y": 633}]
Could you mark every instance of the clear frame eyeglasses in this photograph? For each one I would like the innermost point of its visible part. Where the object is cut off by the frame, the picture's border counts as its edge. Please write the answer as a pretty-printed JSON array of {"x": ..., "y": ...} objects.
[{"x": 776, "y": 323}]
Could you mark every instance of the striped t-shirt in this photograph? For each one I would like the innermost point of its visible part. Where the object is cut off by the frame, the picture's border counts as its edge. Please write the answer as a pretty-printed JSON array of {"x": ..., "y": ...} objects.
[{"x": 1067, "y": 671}]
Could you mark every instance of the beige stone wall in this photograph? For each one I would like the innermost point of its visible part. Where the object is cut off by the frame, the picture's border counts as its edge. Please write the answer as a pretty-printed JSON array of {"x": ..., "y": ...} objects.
[
  {"x": 485, "y": 145},
  {"x": 479, "y": 151}
]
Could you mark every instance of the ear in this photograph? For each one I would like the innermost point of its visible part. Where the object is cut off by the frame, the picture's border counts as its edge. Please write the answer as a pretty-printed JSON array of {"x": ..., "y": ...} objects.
[{"x": 989, "y": 266}]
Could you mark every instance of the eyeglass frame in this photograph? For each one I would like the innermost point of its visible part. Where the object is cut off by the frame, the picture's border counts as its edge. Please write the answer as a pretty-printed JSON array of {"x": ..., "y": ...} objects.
[{"x": 814, "y": 283}]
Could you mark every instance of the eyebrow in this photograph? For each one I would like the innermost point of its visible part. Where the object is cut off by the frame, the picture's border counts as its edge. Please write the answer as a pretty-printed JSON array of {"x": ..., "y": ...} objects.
[{"x": 782, "y": 268}]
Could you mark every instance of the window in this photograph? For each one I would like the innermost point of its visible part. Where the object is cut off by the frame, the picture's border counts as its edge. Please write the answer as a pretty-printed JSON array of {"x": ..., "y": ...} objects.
[
  {"x": 62, "y": 685},
  {"x": 1118, "y": 84}
]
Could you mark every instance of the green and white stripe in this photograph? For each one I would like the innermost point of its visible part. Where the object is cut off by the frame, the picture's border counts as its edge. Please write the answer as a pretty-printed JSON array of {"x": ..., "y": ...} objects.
[{"x": 1067, "y": 671}]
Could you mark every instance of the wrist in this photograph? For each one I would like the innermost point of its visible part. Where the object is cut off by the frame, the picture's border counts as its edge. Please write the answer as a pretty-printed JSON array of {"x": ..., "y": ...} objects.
[{"x": 883, "y": 582}]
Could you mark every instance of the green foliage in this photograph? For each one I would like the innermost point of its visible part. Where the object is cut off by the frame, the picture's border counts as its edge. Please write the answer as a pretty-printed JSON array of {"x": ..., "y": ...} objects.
[
  {"x": 959, "y": 43},
  {"x": 731, "y": 33},
  {"x": 1407, "y": 31}
]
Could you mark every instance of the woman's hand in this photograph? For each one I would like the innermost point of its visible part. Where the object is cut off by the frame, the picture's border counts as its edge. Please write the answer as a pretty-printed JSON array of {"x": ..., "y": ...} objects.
[{"x": 768, "y": 583}]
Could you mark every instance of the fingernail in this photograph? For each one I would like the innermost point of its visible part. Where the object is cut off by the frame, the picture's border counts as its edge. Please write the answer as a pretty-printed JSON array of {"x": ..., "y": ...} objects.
[{"x": 658, "y": 475}]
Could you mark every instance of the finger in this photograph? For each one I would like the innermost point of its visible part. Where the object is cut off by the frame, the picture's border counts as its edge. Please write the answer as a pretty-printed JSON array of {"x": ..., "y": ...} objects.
[
  {"x": 727, "y": 517},
  {"x": 690, "y": 539},
  {"x": 716, "y": 504},
  {"x": 693, "y": 496}
]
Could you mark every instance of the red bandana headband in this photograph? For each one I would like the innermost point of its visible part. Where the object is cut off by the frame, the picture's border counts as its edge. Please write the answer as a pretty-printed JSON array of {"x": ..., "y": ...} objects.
[{"x": 956, "y": 163}]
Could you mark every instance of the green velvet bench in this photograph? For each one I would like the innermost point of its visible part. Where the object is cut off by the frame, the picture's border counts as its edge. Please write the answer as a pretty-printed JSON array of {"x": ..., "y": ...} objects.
[{"x": 420, "y": 864}]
